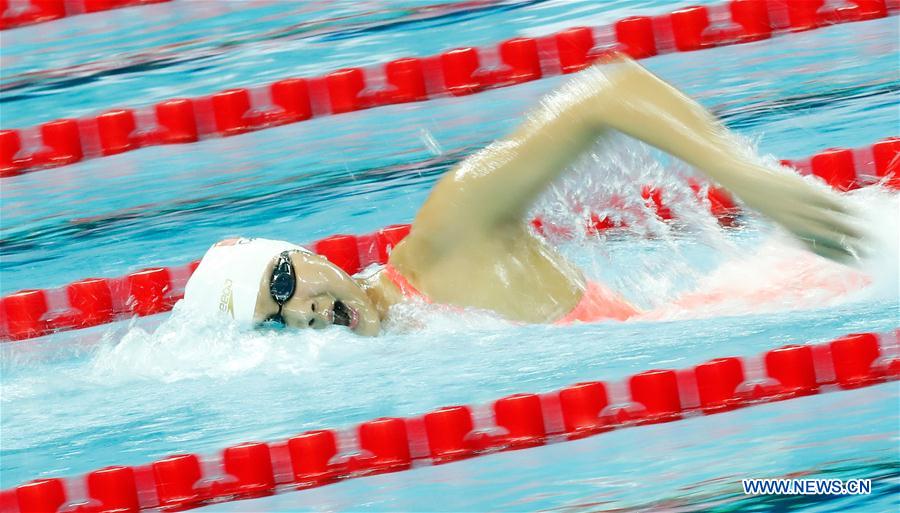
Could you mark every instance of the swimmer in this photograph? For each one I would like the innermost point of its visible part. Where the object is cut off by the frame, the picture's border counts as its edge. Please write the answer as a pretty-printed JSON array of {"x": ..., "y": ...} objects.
[{"x": 470, "y": 246}]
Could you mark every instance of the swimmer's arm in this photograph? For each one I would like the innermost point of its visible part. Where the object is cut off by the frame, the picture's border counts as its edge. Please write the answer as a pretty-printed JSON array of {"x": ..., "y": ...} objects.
[
  {"x": 494, "y": 188},
  {"x": 645, "y": 107}
]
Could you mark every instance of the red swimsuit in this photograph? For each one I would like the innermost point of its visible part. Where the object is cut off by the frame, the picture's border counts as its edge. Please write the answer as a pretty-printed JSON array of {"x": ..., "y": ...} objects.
[{"x": 597, "y": 304}]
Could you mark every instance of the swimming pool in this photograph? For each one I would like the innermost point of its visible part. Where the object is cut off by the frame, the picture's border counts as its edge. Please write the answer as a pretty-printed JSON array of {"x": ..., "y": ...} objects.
[{"x": 127, "y": 395}]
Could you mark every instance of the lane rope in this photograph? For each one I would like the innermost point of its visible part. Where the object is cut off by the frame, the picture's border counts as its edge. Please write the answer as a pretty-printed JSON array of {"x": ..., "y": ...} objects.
[
  {"x": 93, "y": 301},
  {"x": 457, "y": 72},
  {"x": 452, "y": 433},
  {"x": 19, "y": 13}
]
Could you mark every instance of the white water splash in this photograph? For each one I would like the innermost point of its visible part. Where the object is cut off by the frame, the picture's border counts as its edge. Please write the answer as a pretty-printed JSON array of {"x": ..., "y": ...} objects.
[
  {"x": 879, "y": 210},
  {"x": 692, "y": 267}
]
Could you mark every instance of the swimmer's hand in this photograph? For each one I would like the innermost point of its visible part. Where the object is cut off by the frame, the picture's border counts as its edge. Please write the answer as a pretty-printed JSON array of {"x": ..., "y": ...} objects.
[{"x": 817, "y": 217}]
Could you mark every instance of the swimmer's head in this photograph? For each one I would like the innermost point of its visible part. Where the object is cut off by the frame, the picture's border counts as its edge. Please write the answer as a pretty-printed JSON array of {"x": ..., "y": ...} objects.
[{"x": 257, "y": 280}]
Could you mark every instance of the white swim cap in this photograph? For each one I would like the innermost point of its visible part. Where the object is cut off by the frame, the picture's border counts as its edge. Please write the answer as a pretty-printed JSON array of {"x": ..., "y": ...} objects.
[{"x": 228, "y": 278}]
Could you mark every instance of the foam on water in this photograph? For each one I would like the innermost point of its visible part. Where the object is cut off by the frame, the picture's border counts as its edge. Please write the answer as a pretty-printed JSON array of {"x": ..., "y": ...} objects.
[
  {"x": 692, "y": 267},
  {"x": 778, "y": 274},
  {"x": 879, "y": 209}
]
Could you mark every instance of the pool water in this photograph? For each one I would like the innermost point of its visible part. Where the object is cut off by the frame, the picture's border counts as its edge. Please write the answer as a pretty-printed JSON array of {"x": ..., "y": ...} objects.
[{"x": 135, "y": 391}]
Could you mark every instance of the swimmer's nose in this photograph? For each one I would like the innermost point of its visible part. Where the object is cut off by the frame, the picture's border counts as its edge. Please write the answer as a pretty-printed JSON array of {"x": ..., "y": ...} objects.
[
  {"x": 321, "y": 317},
  {"x": 307, "y": 315},
  {"x": 328, "y": 314}
]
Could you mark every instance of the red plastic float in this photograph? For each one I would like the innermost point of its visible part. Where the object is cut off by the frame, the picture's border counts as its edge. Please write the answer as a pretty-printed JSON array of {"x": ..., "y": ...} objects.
[
  {"x": 148, "y": 291},
  {"x": 114, "y": 488},
  {"x": 10, "y": 146},
  {"x": 251, "y": 466},
  {"x": 174, "y": 478},
  {"x": 41, "y": 496},
  {"x": 582, "y": 405},
  {"x": 407, "y": 79},
  {"x": 91, "y": 302},
  {"x": 886, "y": 154},
  {"x": 574, "y": 48},
  {"x": 753, "y": 18},
  {"x": 657, "y": 392},
  {"x": 854, "y": 359},
  {"x": 311, "y": 454},
  {"x": 117, "y": 131},
  {"x": 635, "y": 34},
  {"x": 62, "y": 143},
  {"x": 316, "y": 458},
  {"x": 717, "y": 384},
  {"x": 688, "y": 25},
  {"x": 341, "y": 250},
  {"x": 387, "y": 441},
  {"x": 24, "y": 312},
  {"x": 836, "y": 167},
  {"x": 231, "y": 109},
  {"x": 34, "y": 12},
  {"x": 793, "y": 368},
  {"x": 459, "y": 67},
  {"x": 810, "y": 14},
  {"x": 522, "y": 418},
  {"x": 699, "y": 27},
  {"x": 448, "y": 430},
  {"x": 177, "y": 121},
  {"x": 520, "y": 55},
  {"x": 291, "y": 95},
  {"x": 345, "y": 90}
]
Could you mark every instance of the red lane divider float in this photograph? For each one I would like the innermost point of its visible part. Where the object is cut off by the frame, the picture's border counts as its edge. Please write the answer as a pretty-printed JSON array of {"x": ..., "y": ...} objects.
[
  {"x": 846, "y": 169},
  {"x": 33, "y": 313},
  {"x": 444, "y": 435},
  {"x": 16, "y": 13},
  {"x": 457, "y": 72}
]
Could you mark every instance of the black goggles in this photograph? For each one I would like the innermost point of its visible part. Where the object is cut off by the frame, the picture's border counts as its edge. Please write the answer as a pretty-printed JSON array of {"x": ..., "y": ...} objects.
[{"x": 282, "y": 283}]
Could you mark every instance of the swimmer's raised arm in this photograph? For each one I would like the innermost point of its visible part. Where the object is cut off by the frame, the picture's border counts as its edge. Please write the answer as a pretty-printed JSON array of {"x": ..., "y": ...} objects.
[
  {"x": 493, "y": 189},
  {"x": 655, "y": 112}
]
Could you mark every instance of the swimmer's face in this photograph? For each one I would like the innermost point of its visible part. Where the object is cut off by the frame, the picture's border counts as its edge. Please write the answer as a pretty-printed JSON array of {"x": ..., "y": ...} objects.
[{"x": 323, "y": 295}]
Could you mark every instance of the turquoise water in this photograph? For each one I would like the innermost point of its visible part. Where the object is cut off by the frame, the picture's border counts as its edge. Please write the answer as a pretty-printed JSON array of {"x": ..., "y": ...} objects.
[{"x": 135, "y": 391}]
